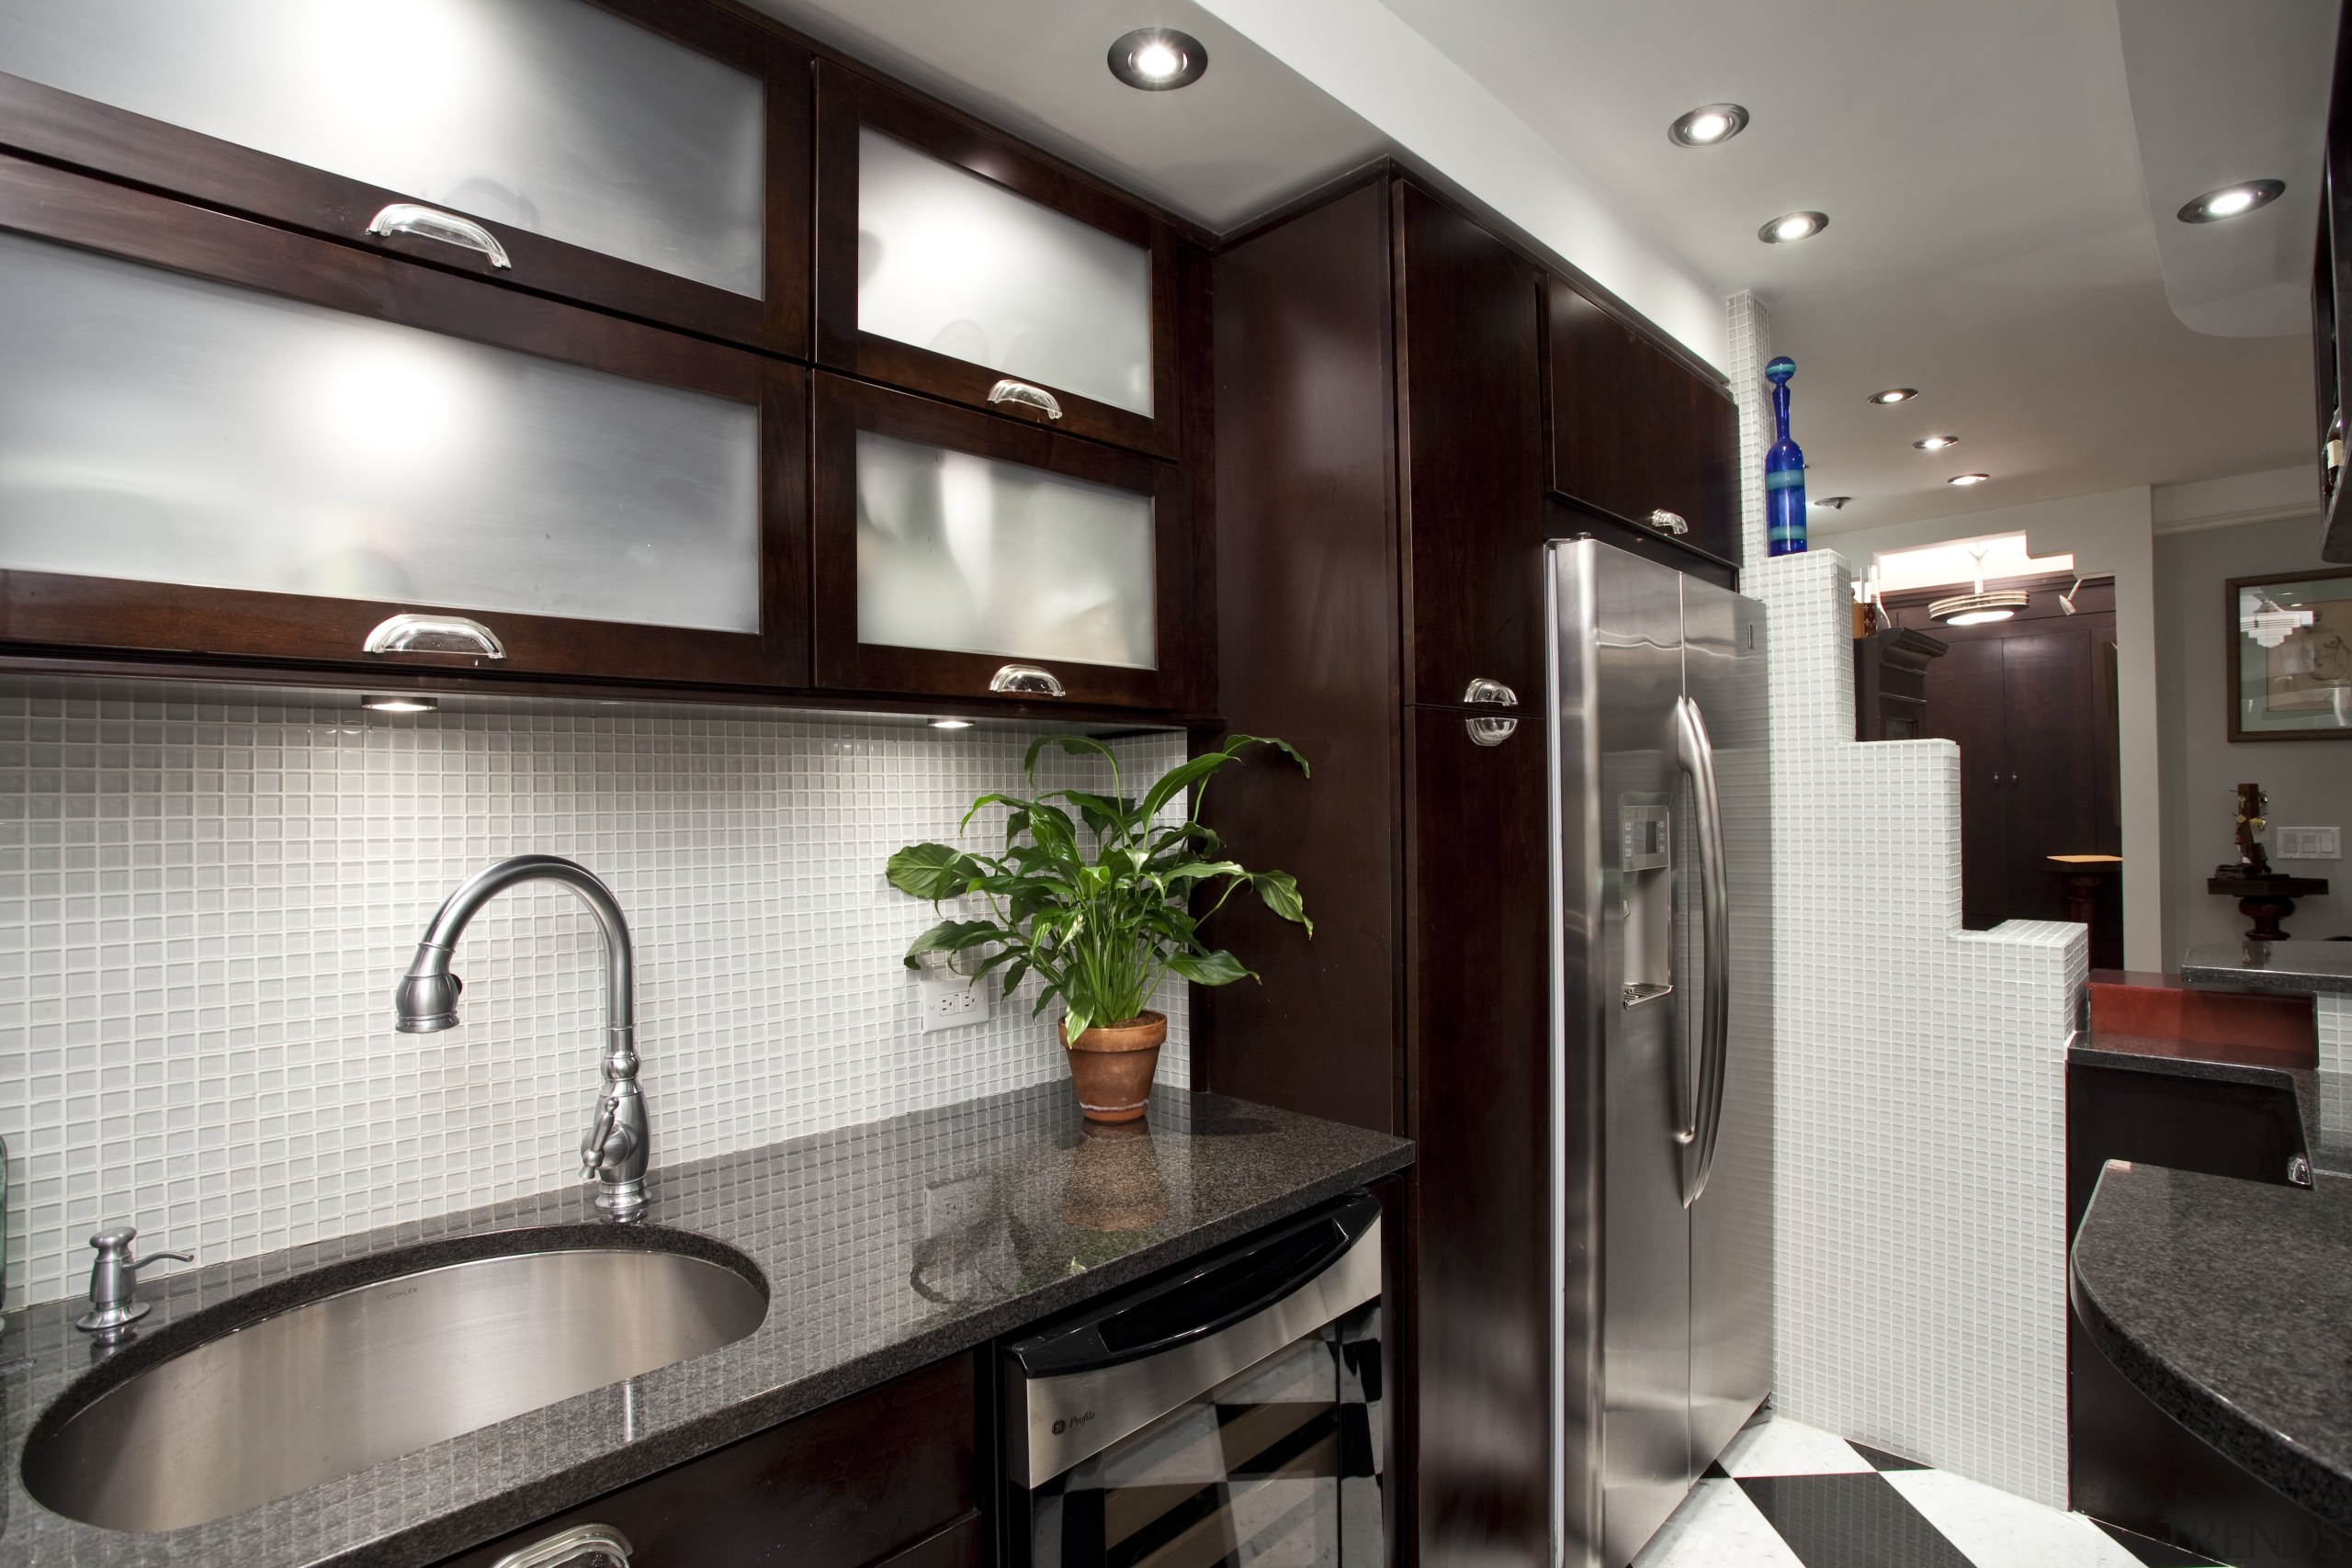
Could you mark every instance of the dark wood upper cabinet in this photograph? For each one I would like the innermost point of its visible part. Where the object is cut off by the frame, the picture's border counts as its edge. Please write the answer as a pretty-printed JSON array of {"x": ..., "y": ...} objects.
[
  {"x": 955, "y": 261},
  {"x": 1636, "y": 433},
  {"x": 1470, "y": 412},
  {"x": 224, "y": 440},
  {"x": 960, "y": 555},
  {"x": 640, "y": 156}
]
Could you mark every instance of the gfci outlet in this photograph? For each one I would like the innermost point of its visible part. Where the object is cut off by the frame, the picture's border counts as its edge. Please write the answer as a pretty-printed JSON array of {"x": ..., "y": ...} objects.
[
  {"x": 951, "y": 1004},
  {"x": 2310, "y": 843}
]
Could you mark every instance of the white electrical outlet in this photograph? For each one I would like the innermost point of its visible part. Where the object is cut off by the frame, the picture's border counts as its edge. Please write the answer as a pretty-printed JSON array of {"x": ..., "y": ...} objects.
[
  {"x": 952, "y": 1004},
  {"x": 2310, "y": 843}
]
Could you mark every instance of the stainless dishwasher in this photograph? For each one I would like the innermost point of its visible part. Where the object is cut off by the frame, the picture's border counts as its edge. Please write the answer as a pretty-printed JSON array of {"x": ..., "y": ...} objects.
[{"x": 1228, "y": 1414}]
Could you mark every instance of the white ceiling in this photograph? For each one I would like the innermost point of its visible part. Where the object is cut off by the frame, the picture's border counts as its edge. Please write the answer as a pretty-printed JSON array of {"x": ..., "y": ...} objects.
[
  {"x": 1990, "y": 240},
  {"x": 1242, "y": 140}
]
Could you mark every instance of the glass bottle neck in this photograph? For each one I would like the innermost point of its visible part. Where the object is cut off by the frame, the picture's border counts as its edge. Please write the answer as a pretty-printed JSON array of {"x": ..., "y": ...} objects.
[{"x": 1780, "y": 408}]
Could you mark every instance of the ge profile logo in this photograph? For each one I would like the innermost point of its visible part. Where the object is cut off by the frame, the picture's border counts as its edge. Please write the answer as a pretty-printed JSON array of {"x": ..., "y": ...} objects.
[
  {"x": 1060, "y": 1427},
  {"x": 1067, "y": 1424}
]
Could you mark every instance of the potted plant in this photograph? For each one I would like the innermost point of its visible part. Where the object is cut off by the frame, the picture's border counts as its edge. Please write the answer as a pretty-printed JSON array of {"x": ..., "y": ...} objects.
[{"x": 1100, "y": 902}]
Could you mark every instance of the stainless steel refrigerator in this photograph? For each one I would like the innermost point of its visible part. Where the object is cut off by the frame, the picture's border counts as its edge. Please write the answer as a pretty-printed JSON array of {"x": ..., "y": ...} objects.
[{"x": 1661, "y": 1203}]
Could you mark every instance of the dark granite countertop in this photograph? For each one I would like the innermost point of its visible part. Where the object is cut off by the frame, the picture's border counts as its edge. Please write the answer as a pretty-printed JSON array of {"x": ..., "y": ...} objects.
[
  {"x": 2225, "y": 1302},
  {"x": 2178, "y": 1058},
  {"x": 2306, "y": 967},
  {"x": 885, "y": 1248}
]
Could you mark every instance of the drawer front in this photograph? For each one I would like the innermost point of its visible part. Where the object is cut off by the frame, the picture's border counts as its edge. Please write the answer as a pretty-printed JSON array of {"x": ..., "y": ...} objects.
[
  {"x": 953, "y": 261},
  {"x": 885, "y": 1475},
  {"x": 951, "y": 547},
  {"x": 628, "y": 154},
  {"x": 221, "y": 439},
  {"x": 1633, "y": 431}
]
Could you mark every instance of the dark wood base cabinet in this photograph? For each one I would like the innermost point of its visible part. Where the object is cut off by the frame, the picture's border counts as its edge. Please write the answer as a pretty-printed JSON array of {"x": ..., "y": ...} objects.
[
  {"x": 885, "y": 1477},
  {"x": 1382, "y": 507}
]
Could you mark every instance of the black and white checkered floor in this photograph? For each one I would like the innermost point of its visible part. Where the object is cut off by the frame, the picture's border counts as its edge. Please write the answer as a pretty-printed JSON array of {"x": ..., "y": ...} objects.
[{"x": 1789, "y": 1495}]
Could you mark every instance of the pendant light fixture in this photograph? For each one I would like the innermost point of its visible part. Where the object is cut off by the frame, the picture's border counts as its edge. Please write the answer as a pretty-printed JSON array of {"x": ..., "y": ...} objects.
[{"x": 1977, "y": 608}]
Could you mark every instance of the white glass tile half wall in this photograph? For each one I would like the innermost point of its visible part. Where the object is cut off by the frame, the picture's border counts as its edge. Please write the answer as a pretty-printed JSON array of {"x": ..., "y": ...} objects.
[{"x": 204, "y": 907}]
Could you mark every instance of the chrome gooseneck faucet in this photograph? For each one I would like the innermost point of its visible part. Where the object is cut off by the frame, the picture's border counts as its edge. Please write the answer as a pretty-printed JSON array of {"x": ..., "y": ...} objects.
[{"x": 619, "y": 1144}]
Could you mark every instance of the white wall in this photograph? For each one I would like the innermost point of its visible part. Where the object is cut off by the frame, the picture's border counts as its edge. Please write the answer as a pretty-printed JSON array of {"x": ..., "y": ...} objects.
[
  {"x": 2109, "y": 532},
  {"x": 204, "y": 905},
  {"x": 2309, "y": 782},
  {"x": 1368, "y": 59},
  {"x": 1918, "y": 1118}
]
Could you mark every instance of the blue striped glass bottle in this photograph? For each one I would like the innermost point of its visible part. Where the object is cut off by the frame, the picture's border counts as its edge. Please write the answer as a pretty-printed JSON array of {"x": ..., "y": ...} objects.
[{"x": 1784, "y": 472}]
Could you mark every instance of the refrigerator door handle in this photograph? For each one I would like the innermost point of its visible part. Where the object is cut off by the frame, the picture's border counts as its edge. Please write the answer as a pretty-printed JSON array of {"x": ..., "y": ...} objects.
[{"x": 1696, "y": 756}]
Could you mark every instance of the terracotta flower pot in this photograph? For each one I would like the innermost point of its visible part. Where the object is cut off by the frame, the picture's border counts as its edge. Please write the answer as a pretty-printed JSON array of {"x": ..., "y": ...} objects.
[{"x": 1110, "y": 1065}]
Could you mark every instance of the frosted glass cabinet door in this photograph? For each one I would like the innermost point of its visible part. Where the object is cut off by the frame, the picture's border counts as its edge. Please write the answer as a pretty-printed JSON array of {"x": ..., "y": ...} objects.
[
  {"x": 235, "y": 463},
  {"x": 629, "y": 159},
  {"x": 952, "y": 546},
  {"x": 960, "y": 264}
]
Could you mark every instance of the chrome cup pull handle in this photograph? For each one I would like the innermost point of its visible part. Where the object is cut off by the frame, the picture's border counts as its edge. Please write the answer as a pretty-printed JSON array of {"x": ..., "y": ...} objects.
[
  {"x": 431, "y": 223},
  {"x": 1010, "y": 391},
  {"x": 1027, "y": 680},
  {"x": 1484, "y": 693},
  {"x": 1667, "y": 521},
  {"x": 582, "y": 1546},
  {"x": 434, "y": 634}
]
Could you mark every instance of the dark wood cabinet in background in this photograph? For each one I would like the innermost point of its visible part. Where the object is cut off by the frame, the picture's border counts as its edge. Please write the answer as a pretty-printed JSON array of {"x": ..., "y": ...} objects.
[
  {"x": 1636, "y": 432},
  {"x": 2031, "y": 703},
  {"x": 889, "y": 1476}
]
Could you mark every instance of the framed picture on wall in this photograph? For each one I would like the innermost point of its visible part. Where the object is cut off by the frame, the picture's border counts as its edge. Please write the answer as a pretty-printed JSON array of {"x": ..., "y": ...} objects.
[{"x": 2290, "y": 655}]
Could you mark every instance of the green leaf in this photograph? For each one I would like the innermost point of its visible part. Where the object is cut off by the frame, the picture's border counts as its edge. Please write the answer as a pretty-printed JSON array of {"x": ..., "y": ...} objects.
[
  {"x": 1234, "y": 745},
  {"x": 1218, "y": 968},
  {"x": 1279, "y": 892},
  {"x": 1015, "y": 975},
  {"x": 1075, "y": 1022},
  {"x": 1177, "y": 780},
  {"x": 1076, "y": 745},
  {"x": 932, "y": 871},
  {"x": 1194, "y": 871},
  {"x": 1012, "y": 803},
  {"x": 953, "y": 936}
]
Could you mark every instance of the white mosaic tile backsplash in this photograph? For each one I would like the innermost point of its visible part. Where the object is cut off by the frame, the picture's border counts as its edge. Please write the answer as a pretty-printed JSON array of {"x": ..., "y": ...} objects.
[
  {"x": 205, "y": 903},
  {"x": 1920, "y": 1125}
]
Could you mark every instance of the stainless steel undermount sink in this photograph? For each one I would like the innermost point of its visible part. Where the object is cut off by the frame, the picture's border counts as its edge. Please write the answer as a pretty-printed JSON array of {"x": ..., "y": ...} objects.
[{"x": 329, "y": 1387}]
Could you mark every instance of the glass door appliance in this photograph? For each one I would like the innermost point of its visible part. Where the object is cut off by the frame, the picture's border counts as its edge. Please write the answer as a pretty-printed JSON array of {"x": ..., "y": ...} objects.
[{"x": 1225, "y": 1417}]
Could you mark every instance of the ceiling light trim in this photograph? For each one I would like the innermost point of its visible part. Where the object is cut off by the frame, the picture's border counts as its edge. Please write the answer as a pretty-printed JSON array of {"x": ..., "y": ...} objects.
[
  {"x": 1129, "y": 51},
  {"x": 2220, "y": 205},
  {"x": 1683, "y": 131},
  {"x": 1806, "y": 225}
]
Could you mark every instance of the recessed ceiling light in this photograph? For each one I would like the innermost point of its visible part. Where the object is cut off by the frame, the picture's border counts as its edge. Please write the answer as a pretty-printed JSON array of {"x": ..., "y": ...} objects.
[
  {"x": 1967, "y": 479},
  {"x": 1157, "y": 59},
  {"x": 2232, "y": 201},
  {"x": 400, "y": 704},
  {"x": 1835, "y": 502},
  {"x": 1793, "y": 227},
  {"x": 951, "y": 724},
  {"x": 1895, "y": 395},
  {"x": 1936, "y": 443},
  {"x": 1708, "y": 125}
]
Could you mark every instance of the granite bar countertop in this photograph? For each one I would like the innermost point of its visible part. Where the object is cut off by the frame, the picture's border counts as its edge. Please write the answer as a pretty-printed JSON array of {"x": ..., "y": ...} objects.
[
  {"x": 885, "y": 1248},
  {"x": 2307, "y": 967},
  {"x": 2225, "y": 1302}
]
